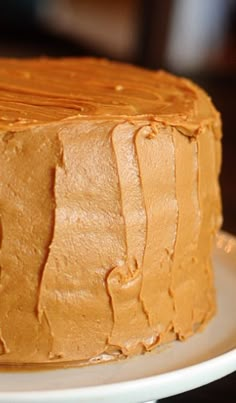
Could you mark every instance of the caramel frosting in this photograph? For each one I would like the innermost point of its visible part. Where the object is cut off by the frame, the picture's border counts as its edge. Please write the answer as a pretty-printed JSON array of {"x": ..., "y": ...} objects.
[{"x": 109, "y": 204}]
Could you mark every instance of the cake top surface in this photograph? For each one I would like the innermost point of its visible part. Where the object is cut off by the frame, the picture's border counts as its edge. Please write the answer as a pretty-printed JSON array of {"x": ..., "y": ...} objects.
[{"x": 39, "y": 91}]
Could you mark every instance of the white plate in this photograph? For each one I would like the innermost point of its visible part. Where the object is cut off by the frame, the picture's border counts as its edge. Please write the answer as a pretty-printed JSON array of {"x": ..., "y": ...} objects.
[{"x": 180, "y": 367}]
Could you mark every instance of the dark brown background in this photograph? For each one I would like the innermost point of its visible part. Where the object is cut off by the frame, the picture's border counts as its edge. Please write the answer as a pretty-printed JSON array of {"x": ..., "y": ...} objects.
[{"x": 22, "y": 34}]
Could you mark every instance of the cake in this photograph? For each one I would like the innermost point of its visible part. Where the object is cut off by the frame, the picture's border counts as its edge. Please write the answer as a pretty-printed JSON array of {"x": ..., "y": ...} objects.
[{"x": 109, "y": 204}]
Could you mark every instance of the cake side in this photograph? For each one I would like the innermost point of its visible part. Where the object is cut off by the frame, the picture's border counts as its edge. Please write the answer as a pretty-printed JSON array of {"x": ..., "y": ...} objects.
[
  {"x": 107, "y": 226},
  {"x": 105, "y": 251}
]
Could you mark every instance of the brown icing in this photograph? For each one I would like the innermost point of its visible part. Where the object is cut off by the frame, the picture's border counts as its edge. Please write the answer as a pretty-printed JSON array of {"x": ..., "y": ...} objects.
[{"x": 109, "y": 202}]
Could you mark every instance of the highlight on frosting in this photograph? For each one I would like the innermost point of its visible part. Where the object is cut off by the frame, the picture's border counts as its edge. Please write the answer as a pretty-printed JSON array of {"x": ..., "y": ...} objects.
[{"x": 109, "y": 204}]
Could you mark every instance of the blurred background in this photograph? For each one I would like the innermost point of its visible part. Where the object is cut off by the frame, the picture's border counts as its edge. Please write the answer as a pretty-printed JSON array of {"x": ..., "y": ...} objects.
[{"x": 194, "y": 38}]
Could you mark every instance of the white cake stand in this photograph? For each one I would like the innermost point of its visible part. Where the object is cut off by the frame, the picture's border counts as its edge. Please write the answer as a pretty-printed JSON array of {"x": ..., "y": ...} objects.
[{"x": 179, "y": 367}]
